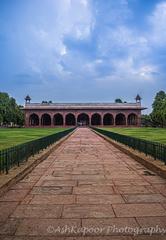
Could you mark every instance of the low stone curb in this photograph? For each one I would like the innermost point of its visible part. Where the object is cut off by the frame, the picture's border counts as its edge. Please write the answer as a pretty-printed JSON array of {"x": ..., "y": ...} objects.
[
  {"x": 156, "y": 166},
  {"x": 17, "y": 173}
]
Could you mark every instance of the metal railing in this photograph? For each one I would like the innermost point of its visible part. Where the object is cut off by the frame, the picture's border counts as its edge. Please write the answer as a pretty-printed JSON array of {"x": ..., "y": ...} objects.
[
  {"x": 153, "y": 149},
  {"x": 13, "y": 156}
]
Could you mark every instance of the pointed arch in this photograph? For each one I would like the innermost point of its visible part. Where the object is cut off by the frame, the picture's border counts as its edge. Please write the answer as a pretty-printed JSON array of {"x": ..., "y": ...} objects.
[
  {"x": 83, "y": 119},
  {"x": 120, "y": 119},
  {"x": 70, "y": 120},
  {"x": 132, "y": 119},
  {"x": 96, "y": 119},
  {"x": 108, "y": 119},
  {"x": 34, "y": 120},
  {"x": 58, "y": 119},
  {"x": 45, "y": 119}
]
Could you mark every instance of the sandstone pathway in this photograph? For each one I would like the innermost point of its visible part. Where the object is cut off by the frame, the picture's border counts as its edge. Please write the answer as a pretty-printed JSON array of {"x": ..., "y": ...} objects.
[{"x": 86, "y": 189}]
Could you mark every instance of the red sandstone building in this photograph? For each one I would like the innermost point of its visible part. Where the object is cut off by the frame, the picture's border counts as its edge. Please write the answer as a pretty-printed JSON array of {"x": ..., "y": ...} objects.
[{"x": 81, "y": 114}]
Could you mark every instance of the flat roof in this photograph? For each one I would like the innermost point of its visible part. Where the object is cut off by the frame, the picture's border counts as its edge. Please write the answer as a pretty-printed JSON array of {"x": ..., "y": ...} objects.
[{"x": 75, "y": 106}]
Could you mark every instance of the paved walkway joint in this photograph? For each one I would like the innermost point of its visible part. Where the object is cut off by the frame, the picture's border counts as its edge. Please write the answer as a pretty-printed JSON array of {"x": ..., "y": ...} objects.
[{"x": 85, "y": 189}]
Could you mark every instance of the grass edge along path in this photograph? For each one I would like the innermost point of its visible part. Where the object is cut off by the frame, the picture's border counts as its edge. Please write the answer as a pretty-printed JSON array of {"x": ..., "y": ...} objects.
[
  {"x": 20, "y": 153},
  {"x": 157, "y": 135},
  {"x": 154, "y": 149},
  {"x": 16, "y": 136}
]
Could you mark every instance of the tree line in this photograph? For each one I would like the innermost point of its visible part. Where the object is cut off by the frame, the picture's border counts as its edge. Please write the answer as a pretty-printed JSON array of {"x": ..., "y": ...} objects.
[{"x": 10, "y": 113}]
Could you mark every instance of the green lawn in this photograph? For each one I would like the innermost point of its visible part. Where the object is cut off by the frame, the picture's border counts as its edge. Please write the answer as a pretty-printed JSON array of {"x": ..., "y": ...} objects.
[
  {"x": 151, "y": 134},
  {"x": 15, "y": 136}
]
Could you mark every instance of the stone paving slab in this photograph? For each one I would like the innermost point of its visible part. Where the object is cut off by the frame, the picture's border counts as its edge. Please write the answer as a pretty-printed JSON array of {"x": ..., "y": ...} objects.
[
  {"x": 61, "y": 190},
  {"x": 88, "y": 211},
  {"x": 152, "y": 221},
  {"x": 14, "y": 195},
  {"x": 134, "y": 189},
  {"x": 37, "y": 211},
  {"x": 6, "y": 209},
  {"x": 99, "y": 199},
  {"x": 137, "y": 210},
  {"x": 60, "y": 183},
  {"x": 96, "y": 182},
  {"x": 85, "y": 184},
  {"x": 144, "y": 198},
  {"x": 93, "y": 190},
  {"x": 23, "y": 185},
  {"x": 53, "y": 199},
  {"x": 129, "y": 182},
  {"x": 111, "y": 226},
  {"x": 9, "y": 227},
  {"x": 49, "y": 227}
]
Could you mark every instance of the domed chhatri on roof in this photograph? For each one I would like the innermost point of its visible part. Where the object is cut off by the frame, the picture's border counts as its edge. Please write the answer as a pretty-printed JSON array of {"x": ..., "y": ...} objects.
[
  {"x": 138, "y": 98},
  {"x": 27, "y": 99}
]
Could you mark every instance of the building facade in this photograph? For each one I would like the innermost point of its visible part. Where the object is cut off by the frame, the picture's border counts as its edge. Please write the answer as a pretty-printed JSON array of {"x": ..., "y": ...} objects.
[{"x": 82, "y": 114}]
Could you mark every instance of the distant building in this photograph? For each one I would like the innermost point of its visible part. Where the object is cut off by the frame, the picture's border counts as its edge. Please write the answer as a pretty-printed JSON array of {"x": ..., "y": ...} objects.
[{"x": 48, "y": 114}]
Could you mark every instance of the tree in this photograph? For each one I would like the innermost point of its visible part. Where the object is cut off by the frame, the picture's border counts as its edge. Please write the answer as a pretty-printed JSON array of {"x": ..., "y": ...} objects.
[
  {"x": 118, "y": 100},
  {"x": 163, "y": 113},
  {"x": 158, "y": 114},
  {"x": 1, "y": 119},
  {"x": 19, "y": 115},
  {"x": 160, "y": 96},
  {"x": 10, "y": 112},
  {"x": 146, "y": 121}
]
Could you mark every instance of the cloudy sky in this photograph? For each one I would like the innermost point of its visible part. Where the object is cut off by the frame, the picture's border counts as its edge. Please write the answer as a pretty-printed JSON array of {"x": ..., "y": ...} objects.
[{"x": 83, "y": 50}]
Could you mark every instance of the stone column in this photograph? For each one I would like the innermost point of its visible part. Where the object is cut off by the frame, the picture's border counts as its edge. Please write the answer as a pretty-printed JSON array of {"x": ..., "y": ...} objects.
[
  {"x": 139, "y": 120},
  {"x": 64, "y": 120},
  {"x": 102, "y": 119},
  {"x": 40, "y": 125},
  {"x": 52, "y": 121},
  {"x": 26, "y": 120},
  {"x": 114, "y": 117},
  {"x": 126, "y": 116}
]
